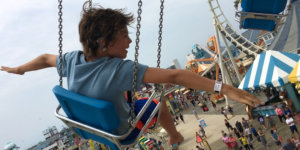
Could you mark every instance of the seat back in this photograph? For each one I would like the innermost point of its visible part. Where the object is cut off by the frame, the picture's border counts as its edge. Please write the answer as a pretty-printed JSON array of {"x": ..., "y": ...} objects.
[
  {"x": 260, "y": 24},
  {"x": 265, "y": 7},
  {"x": 97, "y": 113}
]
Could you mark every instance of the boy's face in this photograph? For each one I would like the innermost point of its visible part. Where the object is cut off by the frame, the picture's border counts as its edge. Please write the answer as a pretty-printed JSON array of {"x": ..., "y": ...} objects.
[{"x": 118, "y": 47}]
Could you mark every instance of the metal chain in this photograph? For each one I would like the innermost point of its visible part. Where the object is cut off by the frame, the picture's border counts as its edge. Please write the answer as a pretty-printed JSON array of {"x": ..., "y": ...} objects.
[
  {"x": 158, "y": 87},
  {"x": 90, "y": 3},
  {"x": 60, "y": 39},
  {"x": 160, "y": 32},
  {"x": 138, "y": 26}
]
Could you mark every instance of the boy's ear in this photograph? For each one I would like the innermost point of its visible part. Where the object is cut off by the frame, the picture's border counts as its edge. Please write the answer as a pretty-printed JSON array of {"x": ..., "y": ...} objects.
[{"x": 102, "y": 43}]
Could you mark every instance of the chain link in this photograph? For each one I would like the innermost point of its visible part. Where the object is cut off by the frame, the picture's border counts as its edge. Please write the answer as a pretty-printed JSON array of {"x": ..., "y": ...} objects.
[
  {"x": 138, "y": 26},
  {"x": 90, "y": 4},
  {"x": 60, "y": 39},
  {"x": 158, "y": 87},
  {"x": 160, "y": 32}
]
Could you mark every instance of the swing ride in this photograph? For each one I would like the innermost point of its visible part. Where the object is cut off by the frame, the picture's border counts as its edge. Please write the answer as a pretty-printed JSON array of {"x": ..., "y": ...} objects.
[
  {"x": 97, "y": 119},
  {"x": 90, "y": 128}
]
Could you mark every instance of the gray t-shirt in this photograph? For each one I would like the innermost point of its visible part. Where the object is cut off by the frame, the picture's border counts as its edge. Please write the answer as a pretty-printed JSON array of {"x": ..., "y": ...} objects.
[{"x": 105, "y": 78}]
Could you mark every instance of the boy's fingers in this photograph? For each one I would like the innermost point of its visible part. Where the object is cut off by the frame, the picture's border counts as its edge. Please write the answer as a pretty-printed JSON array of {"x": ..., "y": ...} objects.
[
  {"x": 3, "y": 68},
  {"x": 256, "y": 100}
]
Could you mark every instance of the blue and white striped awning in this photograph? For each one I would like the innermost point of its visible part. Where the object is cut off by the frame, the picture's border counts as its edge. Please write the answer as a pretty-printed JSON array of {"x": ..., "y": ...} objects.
[{"x": 270, "y": 68}]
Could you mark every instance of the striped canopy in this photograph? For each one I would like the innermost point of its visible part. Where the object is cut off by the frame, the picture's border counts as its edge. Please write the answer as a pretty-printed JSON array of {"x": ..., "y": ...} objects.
[
  {"x": 270, "y": 68},
  {"x": 294, "y": 77}
]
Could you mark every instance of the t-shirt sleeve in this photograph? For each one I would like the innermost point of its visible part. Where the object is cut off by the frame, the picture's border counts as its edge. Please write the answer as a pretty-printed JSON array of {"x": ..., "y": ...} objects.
[
  {"x": 125, "y": 75},
  {"x": 66, "y": 58}
]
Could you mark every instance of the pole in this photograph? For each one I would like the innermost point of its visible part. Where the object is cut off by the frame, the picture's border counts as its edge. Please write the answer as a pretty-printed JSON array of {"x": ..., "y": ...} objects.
[
  {"x": 231, "y": 59},
  {"x": 224, "y": 78}
]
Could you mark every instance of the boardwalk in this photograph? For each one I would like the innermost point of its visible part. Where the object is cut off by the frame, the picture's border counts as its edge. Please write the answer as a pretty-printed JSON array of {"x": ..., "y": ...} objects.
[{"x": 215, "y": 122}]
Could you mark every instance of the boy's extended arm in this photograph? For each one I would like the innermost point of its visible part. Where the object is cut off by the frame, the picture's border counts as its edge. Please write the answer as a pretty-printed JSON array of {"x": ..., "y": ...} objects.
[
  {"x": 41, "y": 62},
  {"x": 194, "y": 81}
]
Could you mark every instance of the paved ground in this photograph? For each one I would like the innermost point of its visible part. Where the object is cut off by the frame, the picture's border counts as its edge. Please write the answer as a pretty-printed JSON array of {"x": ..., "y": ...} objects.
[{"x": 215, "y": 122}]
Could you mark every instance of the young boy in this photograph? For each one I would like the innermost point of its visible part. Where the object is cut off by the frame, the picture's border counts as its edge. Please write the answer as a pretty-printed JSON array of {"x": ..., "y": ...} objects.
[{"x": 100, "y": 71}]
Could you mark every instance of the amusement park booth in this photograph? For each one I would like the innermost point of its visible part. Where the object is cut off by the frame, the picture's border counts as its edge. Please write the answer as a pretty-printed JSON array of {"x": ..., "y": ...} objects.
[{"x": 270, "y": 70}]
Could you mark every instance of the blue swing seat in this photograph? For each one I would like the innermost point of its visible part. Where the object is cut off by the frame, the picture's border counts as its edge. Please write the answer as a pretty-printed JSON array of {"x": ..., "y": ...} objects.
[
  {"x": 265, "y": 7},
  {"x": 96, "y": 113},
  {"x": 97, "y": 119}
]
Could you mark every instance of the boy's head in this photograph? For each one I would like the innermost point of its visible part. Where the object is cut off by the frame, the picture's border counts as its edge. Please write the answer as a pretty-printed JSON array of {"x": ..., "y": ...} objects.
[{"x": 99, "y": 28}]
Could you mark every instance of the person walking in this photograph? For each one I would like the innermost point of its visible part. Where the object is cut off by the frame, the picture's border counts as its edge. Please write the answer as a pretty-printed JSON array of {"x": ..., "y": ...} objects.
[
  {"x": 245, "y": 123},
  {"x": 237, "y": 134},
  {"x": 254, "y": 132},
  {"x": 261, "y": 121},
  {"x": 287, "y": 111},
  {"x": 199, "y": 139},
  {"x": 250, "y": 142},
  {"x": 202, "y": 131},
  {"x": 195, "y": 114},
  {"x": 289, "y": 145},
  {"x": 239, "y": 126},
  {"x": 228, "y": 125},
  {"x": 245, "y": 142},
  {"x": 181, "y": 117},
  {"x": 275, "y": 138},
  {"x": 296, "y": 141},
  {"x": 279, "y": 113},
  {"x": 271, "y": 122},
  {"x": 291, "y": 123},
  {"x": 225, "y": 139},
  {"x": 248, "y": 133},
  {"x": 262, "y": 138},
  {"x": 230, "y": 110},
  {"x": 233, "y": 144},
  {"x": 223, "y": 112}
]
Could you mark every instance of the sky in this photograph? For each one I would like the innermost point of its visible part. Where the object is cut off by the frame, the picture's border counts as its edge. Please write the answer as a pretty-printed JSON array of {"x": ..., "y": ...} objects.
[{"x": 29, "y": 28}]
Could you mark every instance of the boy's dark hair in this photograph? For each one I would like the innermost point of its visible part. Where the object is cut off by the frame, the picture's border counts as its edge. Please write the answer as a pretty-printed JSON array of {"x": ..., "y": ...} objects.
[{"x": 101, "y": 23}]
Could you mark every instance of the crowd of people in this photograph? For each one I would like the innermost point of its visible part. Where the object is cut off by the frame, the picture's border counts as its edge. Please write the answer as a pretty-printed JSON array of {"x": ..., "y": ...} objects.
[{"x": 245, "y": 134}]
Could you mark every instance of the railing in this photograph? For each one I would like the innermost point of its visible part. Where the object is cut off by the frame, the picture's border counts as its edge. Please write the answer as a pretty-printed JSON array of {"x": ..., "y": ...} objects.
[{"x": 230, "y": 34}]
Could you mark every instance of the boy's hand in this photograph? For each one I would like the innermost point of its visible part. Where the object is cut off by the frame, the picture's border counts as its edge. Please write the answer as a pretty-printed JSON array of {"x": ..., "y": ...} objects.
[
  {"x": 12, "y": 70},
  {"x": 241, "y": 96}
]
